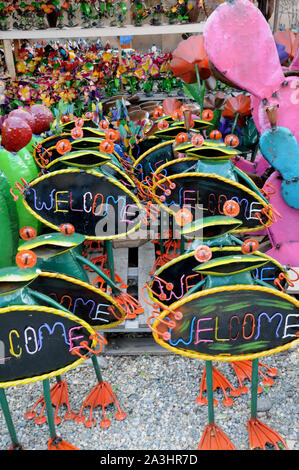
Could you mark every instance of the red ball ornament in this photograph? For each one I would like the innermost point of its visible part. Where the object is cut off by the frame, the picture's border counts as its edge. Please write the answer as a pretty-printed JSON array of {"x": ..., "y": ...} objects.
[
  {"x": 231, "y": 140},
  {"x": 26, "y": 259},
  {"x": 42, "y": 118},
  {"x": 215, "y": 135},
  {"x": 15, "y": 134},
  {"x": 231, "y": 208},
  {"x": 203, "y": 253},
  {"x": 21, "y": 113},
  {"x": 67, "y": 229},
  {"x": 249, "y": 246},
  {"x": 27, "y": 233}
]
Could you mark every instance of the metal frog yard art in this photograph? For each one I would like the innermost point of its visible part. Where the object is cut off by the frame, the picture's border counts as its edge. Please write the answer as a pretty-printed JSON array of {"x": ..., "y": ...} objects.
[
  {"x": 40, "y": 342},
  {"x": 228, "y": 315}
]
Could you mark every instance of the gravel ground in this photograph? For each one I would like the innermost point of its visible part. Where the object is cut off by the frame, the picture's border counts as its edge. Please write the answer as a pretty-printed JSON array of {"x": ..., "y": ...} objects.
[{"x": 158, "y": 394}]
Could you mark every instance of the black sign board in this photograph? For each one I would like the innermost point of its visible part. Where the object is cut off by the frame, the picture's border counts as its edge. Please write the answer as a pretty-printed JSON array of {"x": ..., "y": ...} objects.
[
  {"x": 38, "y": 341},
  {"x": 98, "y": 206},
  {"x": 150, "y": 160},
  {"x": 90, "y": 304},
  {"x": 231, "y": 323},
  {"x": 179, "y": 273},
  {"x": 210, "y": 192}
]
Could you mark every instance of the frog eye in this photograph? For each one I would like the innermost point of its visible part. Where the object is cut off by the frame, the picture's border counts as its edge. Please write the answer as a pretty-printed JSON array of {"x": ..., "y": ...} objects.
[
  {"x": 215, "y": 135},
  {"x": 104, "y": 124},
  {"x": 26, "y": 259},
  {"x": 77, "y": 133},
  {"x": 231, "y": 208},
  {"x": 163, "y": 125},
  {"x": 231, "y": 140},
  {"x": 67, "y": 229},
  {"x": 181, "y": 138},
  {"x": 197, "y": 140},
  {"x": 177, "y": 115},
  {"x": 203, "y": 253},
  {"x": 63, "y": 146},
  {"x": 107, "y": 146},
  {"x": 183, "y": 217},
  {"x": 65, "y": 118},
  {"x": 207, "y": 115},
  {"x": 88, "y": 115},
  {"x": 27, "y": 233},
  {"x": 79, "y": 122},
  {"x": 250, "y": 246},
  {"x": 112, "y": 135},
  {"x": 157, "y": 113}
]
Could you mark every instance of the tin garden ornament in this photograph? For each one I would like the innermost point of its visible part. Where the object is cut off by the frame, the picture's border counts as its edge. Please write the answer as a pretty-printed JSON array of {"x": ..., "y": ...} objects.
[
  {"x": 230, "y": 316},
  {"x": 63, "y": 277},
  {"x": 31, "y": 331}
]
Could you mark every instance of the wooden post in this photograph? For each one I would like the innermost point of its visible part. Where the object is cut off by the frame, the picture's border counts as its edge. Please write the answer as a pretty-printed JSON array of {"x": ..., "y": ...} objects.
[
  {"x": 9, "y": 58},
  {"x": 16, "y": 43},
  {"x": 276, "y": 12},
  {"x": 120, "y": 59}
]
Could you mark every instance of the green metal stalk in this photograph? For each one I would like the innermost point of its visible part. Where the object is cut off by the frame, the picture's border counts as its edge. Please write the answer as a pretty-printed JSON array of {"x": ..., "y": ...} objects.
[
  {"x": 110, "y": 260},
  {"x": 100, "y": 272},
  {"x": 48, "y": 403},
  {"x": 209, "y": 380},
  {"x": 182, "y": 246},
  {"x": 97, "y": 368},
  {"x": 254, "y": 385}
]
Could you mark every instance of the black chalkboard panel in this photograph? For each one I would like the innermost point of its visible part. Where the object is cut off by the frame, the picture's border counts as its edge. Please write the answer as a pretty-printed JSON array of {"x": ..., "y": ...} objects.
[
  {"x": 148, "y": 162},
  {"x": 210, "y": 191},
  {"x": 177, "y": 166},
  {"x": 96, "y": 205},
  {"x": 83, "y": 300},
  {"x": 234, "y": 321},
  {"x": 179, "y": 272},
  {"x": 38, "y": 341}
]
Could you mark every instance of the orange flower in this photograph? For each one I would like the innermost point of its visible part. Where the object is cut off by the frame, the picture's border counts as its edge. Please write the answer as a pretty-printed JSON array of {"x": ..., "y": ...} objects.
[
  {"x": 47, "y": 8},
  {"x": 186, "y": 56},
  {"x": 289, "y": 40},
  {"x": 241, "y": 105}
]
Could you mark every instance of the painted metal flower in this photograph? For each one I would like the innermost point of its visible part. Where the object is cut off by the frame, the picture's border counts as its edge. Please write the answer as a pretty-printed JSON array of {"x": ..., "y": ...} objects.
[{"x": 190, "y": 53}]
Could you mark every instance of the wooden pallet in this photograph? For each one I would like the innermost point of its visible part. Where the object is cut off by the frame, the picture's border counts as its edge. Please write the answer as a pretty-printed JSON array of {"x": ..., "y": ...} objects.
[{"x": 133, "y": 264}]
